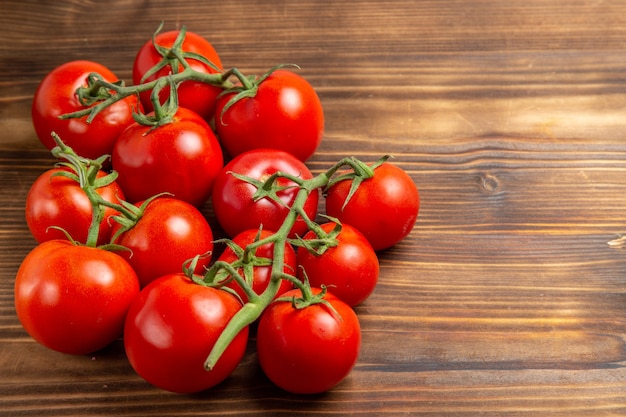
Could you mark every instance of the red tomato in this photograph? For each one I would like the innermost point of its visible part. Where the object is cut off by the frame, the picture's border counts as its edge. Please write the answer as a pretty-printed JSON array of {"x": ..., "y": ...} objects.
[
  {"x": 182, "y": 157},
  {"x": 234, "y": 206},
  {"x": 194, "y": 95},
  {"x": 171, "y": 328},
  {"x": 285, "y": 114},
  {"x": 169, "y": 232},
  {"x": 309, "y": 350},
  {"x": 261, "y": 275},
  {"x": 59, "y": 201},
  {"x": 384, "y": 208},
  {"x": 349, "y": 270},
  {"x": 56, "y": 96},
  {"x": 73, "y": 299}
]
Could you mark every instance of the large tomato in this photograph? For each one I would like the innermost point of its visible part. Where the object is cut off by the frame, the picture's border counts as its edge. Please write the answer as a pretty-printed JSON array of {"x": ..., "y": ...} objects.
[
  {"x": 308, "y": 350},
  {"x": 285, "y": 113},
  {"x": 259, "y": 272},
  {"x": 73, "y": 299},
  {"x": 168, "y": 233},
  {"x": 182, "y": 157},
  {"x": 56, "y": 96},
  {"x": 55, "y": 200},
  {"x": 349, "y": 270},
  {"x": 171, "y": 328},
  {"x": 384, "y": 208},
  {"x": 235, "y": 208},
  {"x": 194, "y": 95}
]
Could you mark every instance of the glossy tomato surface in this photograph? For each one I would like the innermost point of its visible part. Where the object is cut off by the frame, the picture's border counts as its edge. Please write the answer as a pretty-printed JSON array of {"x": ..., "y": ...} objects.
[
  {"x": 233, "y": 202},
  {"x": 255, "y": 268},
  {"x": 74, "y": 299},
  {"x": 55, "y": 200},
  {"x": 349, "y": 269},
  {"x": 194, "y": 95},
  {"x": 285, "y": 114},
  {"x": 56, "y": 95},
  {"x": 384, "y": 208},
  {"x": 182, "y": 158},
  {"x": 309, "y": 350},
  {"x": 169, "y": 233},
  {"x": 171, "y": 328}
]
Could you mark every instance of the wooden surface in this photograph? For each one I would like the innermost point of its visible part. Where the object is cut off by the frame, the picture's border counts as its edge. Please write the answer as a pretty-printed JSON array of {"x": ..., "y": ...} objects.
[{"x": 509, "y": 116}]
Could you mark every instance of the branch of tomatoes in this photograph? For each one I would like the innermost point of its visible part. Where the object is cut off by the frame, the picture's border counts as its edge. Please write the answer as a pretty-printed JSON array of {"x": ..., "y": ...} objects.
[{"x": 290, "y": 188}]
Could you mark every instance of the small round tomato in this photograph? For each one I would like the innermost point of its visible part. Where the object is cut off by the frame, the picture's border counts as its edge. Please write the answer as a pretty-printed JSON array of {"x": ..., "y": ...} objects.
[
  {"x": 182, "y": 158},
  {"x": 168, "y": 233},
  {"x": 73, "y": 299},
  {"x": 56, "y": 95},
  {"x": 349, "y": 270},
  {"x": 194, "y": 95},
  {"x": 384, "y": 208},
  {"x": 285, "y": 113},
  {"x": 55, "y": 200},
  {"x": 308, "y": 350},
  {"x": 171, "y": 328},
  {"x": 233, "y": 203},
  {"x": 259, "y": 271}
]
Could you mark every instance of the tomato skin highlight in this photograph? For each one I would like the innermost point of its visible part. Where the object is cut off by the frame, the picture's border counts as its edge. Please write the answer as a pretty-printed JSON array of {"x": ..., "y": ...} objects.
[
  {"x": 233, "y": 202},
  {"x": 55, "y": 200},
  {"x": 182, "y": 158},
  {"x": 261, "y": 274},
  {"x": 73, "y": 299},
  {"x": 169, "y": 232},
  {"x": 384, "y": 208},
  {"x": 172, "y": 326},
  {"x": 350, "y": 269},
  {"x": 308, "y": 351},
  {"x": 194, "y": 95},
  {"x": 285, "y": 114},
  {"x": 56, "y": 95}
]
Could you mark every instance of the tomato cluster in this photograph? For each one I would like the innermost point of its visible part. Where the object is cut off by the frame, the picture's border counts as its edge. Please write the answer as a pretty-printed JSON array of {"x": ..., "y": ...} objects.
[{"x": 124, "y": 249}]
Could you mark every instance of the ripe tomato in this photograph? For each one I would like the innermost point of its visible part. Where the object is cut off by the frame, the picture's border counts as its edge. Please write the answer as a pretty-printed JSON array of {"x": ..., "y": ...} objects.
[
  {"x": 56, "y": 96},
  {"x": 182, "y": 157},
  {"x": 233, "y": 203},
  {"x": 384, "y": 208},
  {"x": 171, "y": 328},
  {"x": 285, "y": 114},
  {"x": 261, "y": 274},
  {"x": 169, "y": 232},
  {"x": 73, "y": 299},
  {"x": 194, "y": 95},
  {"x": 349, "y": 270},
  {"x": 55, "y": 200},
  {"x": 308, "y": 350}
]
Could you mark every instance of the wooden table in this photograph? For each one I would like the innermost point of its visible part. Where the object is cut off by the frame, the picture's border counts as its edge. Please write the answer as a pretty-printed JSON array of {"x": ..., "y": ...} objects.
[{"x": 505, "y": 300}]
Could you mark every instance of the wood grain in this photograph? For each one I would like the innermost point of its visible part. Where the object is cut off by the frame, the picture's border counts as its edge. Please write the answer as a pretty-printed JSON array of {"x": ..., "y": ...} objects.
[{"x": 509, "y": 116}]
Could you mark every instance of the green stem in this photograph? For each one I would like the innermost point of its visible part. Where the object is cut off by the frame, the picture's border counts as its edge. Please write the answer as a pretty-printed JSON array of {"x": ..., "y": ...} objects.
[{"x": 254, "y": 307}]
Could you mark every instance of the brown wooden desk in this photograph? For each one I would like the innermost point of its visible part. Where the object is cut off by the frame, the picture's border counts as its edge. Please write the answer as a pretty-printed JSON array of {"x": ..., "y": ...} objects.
[{"x": 510, "y": 117}]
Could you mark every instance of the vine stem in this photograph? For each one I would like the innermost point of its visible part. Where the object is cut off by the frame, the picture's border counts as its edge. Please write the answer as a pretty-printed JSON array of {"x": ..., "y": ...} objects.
[{"x": 255, "y": 306}]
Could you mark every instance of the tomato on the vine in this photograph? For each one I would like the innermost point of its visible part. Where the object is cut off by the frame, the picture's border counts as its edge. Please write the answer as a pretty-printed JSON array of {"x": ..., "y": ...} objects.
[
  {"x": 56, "y": 96},
  {"x": 260, "y": 272},
  {"x": 55, "y": 200},
  {"x": 233, "y": 202},
  {"x": 172, "y": 326},
  {"x": 308, "y": 350},
  {"x": 182, "y": 157},
  {"x": 384, "y": 208},
  {"x": 285, "y": 113},
  {"x": 349, "y": 269},
  {"x": 194, "y": 95},
  {"x": 74, "y": 299},
  {"x": 168, "y": 233}
]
